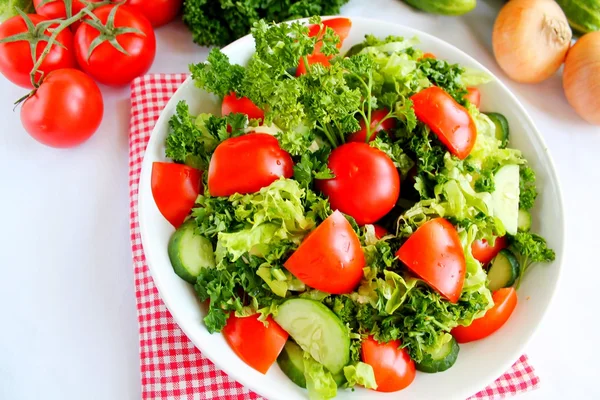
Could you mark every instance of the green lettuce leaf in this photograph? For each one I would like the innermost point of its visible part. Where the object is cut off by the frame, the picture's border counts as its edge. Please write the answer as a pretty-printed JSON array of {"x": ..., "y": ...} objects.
[
  {"x": 319, "y": 382},
  {"x": 360, "y": 374}
]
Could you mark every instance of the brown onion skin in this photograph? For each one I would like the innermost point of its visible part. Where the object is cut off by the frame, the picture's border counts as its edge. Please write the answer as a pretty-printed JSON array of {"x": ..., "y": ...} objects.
[
  {"x": 581, "y": 77},
  {"x": 521, "y": 21}
]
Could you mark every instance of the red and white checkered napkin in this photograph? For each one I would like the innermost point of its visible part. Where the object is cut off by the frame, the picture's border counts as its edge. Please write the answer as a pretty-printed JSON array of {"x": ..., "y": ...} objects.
[{"x": 172, "y": 367}]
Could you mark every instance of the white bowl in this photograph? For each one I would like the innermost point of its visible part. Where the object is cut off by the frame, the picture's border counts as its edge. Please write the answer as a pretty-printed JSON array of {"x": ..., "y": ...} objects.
[{"x": 479, "y": 363}]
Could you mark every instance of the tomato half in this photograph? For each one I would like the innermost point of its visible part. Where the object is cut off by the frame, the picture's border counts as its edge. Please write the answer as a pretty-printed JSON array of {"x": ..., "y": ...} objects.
[
  {"x": 435, "y": 254},
  {"x": 330, "y": 259},
  {"x": 158, "y": 12},
  {"x": 175, "y": 188},
  {"x": 366, "y": 184},
  {"x": 505, "y": 302},
  {"x": 474, "y": 96},
  {"x": 376, "y": 126},
  {"x": 484, "y": 253},
  {"x": 450, "y": 121},
  {"x": 394, "y": 369},
  {"x": 312, "y": 59},
  {"x": 341, "y": 26},
  {"x": 256, "y": 344},
  {"x": 15, "y": 57},
  {"x": 107, "y": 64},
  {"x": 242, "y": 105},
  {"x": 65, "y": 110},
  {"x": 247, "y": 163}
]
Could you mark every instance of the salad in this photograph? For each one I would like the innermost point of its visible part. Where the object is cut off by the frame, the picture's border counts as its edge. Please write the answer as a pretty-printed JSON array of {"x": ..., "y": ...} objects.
[{"x": 353, "y": 217}]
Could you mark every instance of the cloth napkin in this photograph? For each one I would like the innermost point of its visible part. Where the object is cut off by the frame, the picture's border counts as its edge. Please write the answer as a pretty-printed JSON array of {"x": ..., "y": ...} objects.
[{"x": 171, "y": 366}]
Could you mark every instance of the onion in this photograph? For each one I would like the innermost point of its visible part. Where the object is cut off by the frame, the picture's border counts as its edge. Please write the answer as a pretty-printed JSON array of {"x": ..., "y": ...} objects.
[
  {"x": 531, "y": 39},
  {"x": 581, "y": 78}
]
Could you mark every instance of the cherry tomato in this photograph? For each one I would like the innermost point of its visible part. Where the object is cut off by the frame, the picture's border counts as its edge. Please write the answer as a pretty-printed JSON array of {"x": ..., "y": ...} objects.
[
  {"x": 435, "y": 254},
  {"x": 56, "y": 9},
  {"x": 259, "y": 161},
  {"x": 484, "y": 253},
  {"x": 366, "y": 184},
  {"x": 107, "y": 64},
  {"x": 376, "y": 126},
  {"x": 312, "y": 59},
  {"x": 474, "y": 96},
  {"x": 505, "y": 301},
  {"x": 427, "y": 55},
  {"x": 393, "y": 368},
  {"x": 449, "y": 120},
  {"x": 256, "y": 344},
  {"x": 330, "y": 259},
  {"x": 158, "y": 12},
  {"x": 175, "y": 188},
  {"x": 242, "y": 105},
  {"x": 380, "y": 231},
  {"x": 15, "y": 57},
  {"x": 341, "y": 26},
  {"x": 65, "y": 110}
]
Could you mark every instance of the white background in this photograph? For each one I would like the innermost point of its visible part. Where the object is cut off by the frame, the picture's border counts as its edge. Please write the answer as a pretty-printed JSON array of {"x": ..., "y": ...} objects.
[{"x": 68, "y": 325}]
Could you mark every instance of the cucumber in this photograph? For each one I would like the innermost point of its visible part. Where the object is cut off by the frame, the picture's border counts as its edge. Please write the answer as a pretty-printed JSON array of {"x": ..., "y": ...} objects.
[
  {"x": 502, "y": 130},
  {"x": 189, "y": 253},
  {"x": 505, "y": 198},
  {"x": 317, "y": 330},
  {"x": 583, "y": 15},
  {"x": 444, "y": 7},
  {"x": 524, "y": 221},
  {"x": 504, "y": 270},
  {"x": 291, "y": 362},
  {"x": 442, "y": 360}
]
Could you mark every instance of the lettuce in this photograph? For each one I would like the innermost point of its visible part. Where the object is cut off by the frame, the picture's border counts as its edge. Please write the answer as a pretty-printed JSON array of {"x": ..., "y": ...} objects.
[
  {"x": 8, "y": 8},
  {"x": 319, "y": 382},
  {"x": 360, "y": 374}
]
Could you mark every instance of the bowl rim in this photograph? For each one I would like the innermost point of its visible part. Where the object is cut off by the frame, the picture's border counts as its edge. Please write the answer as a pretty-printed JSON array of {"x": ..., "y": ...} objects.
[{"x": 207, "y": 351}]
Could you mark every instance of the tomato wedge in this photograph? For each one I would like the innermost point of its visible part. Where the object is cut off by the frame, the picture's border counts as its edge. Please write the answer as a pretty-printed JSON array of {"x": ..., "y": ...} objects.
[
  {"x": 175, "y": 188},
  {"x": 474, "y": 96},
  {"x": 484, "y": 253},
  {"x": 435, "y": 254},
  {"x": 394, "y": 369},
  {"x": 376, "y": 126},
  {"x": 505, "y": 302},
  {"x": 380, "y": 231},
  {"x": 256, "y": 344},
  {"x": 341, "y": 26},
  {"x": 247, "y": 163},
  {"x": 242, "y": 105},
  {"x": 312, "y": 59},
  {"x": 449, "y": 120},
  {"x": 330, "y": 259}
]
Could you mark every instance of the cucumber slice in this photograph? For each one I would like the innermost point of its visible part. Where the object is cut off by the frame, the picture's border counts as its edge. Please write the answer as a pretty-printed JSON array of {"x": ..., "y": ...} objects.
[
  {"x": 441, "y": 360},
  {"x": 505, "y": 198},
  {"x": 504, "y": 270},
  {"x": 317, "y": 330},
  {"x": 502, "y": 130},
  {"x": 189, "y": 253},
  {"x": 291, "y": 362},
  {"x": 524, "y": 221}
]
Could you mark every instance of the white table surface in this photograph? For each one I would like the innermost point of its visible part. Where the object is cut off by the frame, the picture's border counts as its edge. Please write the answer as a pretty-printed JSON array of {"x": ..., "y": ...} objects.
[{"x": 68, "y": 325}]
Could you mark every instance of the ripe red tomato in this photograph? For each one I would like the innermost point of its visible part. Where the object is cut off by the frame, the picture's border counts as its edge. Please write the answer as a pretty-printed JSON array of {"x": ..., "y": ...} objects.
[
  {"x": 241, "y": 105},
  {"x": 256, "y": 344},
  {"x": 393, "y": 368},
  {"x": 505, "y": 302},
  {"x": 376, "y": 126},
  {"x": 474, "y": 96},
  {"x": 435, "y": 254},
  {"x": 259, "y": 161},
  {"x": 484, "y": 253},
  {"x": 366, "y": 184},
  {"x": 427, "y": 55},
  {"x": 65, "y": 110},
  {"x": 15, "y": 57},
  {"x": 380, "y": 231},
  {"x": 158, "y": 12},
  {"x": 107, "y": 64},
  {"x": 341, "y": 26},
  {"x": 175, "y": 188},
  {"x": 312, "y": 59},
  {"x": 450, "y": 121},
  {"x": 330, "y": 259},
  {"x": 56, "y": 9}
]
